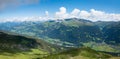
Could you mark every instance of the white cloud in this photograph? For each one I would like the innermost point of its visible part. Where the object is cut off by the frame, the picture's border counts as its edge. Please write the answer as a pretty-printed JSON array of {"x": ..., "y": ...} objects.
[
  {"x": 93, "y": 15},
  {"x": 96, "y": 15},
  {"x": 75, "y": 13},
  {"x": 21, "y": 19},
  {"x": 84, "y": 14},
  {"x": 61, "y": 14}
]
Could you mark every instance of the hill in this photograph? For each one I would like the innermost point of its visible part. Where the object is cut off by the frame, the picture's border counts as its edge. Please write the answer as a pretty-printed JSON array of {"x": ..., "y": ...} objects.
[
  {"x": 21, "y": 47},
  {"x": 81, "y": 53}
]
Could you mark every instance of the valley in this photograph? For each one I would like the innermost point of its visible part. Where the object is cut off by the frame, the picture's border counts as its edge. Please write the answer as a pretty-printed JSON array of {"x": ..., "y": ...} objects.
[
  {"x": 64, "y": 39},
  {"x": 71, "y": 32}
]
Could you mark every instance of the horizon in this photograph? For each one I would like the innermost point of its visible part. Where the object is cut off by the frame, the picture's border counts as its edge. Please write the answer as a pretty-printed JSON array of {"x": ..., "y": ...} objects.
[{"x": 40, "y": 10}]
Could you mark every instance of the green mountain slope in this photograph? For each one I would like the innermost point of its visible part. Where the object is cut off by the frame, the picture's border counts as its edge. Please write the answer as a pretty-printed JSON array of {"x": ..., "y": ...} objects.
[
  {"x": 21, "y": 47},
  {"x": 22, "y": 43},
  {"x": 71, "y": 32},
  {"x": 112, "y": 33},
  {"x": 14, "y": 46},
  {"x": 80, "y": 53}
]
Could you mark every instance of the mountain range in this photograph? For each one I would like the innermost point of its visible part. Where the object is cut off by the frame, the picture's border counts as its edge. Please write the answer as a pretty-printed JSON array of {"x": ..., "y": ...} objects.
[
  {"x": 22, "y": 47},
  {"x": 59, "y": 35}
]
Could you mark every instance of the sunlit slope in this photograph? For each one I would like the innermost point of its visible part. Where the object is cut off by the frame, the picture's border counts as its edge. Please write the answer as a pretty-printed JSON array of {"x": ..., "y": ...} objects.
[{"x": 80, "y": 53}]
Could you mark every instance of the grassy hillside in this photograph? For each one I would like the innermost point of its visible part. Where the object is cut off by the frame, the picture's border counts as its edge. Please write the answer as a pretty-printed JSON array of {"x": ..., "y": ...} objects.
[
  {"x": 80, "y": 53},
  {"x": 20, "y": 47},
  {"x": 22, "y": 43}
]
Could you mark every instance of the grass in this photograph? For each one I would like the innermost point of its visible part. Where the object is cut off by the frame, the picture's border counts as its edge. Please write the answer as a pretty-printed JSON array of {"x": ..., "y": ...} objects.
[
  {"x": 100, "y": 47},
  {"x": 82, "y": 53},
  {"x": 34, "y": 53},
  {"x": 77, "y": 53}
]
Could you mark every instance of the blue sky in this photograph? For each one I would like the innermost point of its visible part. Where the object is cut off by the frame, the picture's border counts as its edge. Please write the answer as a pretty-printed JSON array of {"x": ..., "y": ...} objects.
[{"x": 39, "y": 7}]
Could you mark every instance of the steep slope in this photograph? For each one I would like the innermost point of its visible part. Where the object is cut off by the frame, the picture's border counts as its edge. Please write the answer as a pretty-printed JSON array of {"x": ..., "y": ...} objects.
[
  {"x": 14, "y": 46},
  {"x": 112, "y": 33},
  {"x": 16, "y": 43}
]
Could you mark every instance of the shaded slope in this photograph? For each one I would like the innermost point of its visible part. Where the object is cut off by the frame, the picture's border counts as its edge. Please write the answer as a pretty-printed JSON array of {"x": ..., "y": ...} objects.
[
  {"x": 112, "y": 33},
  {"x": 17, "y": 43}
]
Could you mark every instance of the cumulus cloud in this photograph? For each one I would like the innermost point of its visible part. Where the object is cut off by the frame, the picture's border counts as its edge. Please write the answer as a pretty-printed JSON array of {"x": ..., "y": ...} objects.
[
  {"x": 61, "y": 14},
  {"x": 84, "y": 14},
  {"x": 92, "y": 14},
  {"x": 95, "y": 15},
  {"x": 75, "y": 13},
  {"x": 10, "y": 3}
]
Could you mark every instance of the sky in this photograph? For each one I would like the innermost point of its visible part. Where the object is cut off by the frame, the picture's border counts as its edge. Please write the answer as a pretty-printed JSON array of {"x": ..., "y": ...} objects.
[{"x": 34, "y": 10}]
